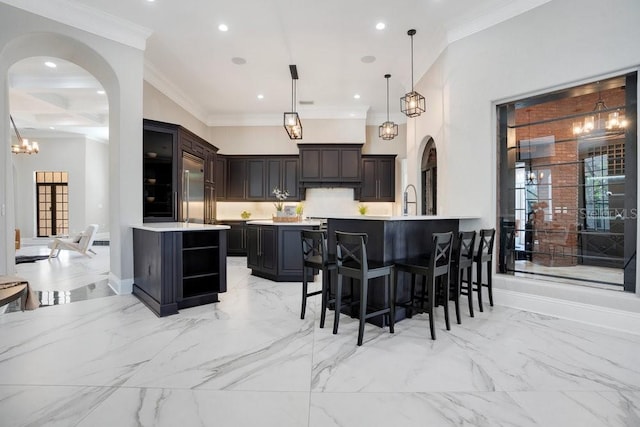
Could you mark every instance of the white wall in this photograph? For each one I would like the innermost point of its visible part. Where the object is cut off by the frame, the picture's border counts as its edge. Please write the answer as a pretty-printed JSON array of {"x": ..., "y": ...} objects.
[
  {"x": 118, "y": 67},
  {"x": 55, "y": 155},
  {"x": 559, "y": 44},
  {"x": 96, "y": 203}
]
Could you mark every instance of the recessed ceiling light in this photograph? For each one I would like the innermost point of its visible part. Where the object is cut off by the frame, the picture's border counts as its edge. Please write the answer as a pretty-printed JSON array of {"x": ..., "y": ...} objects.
[
  {"x": 368, "y": 59},
  {"x": 380, "y": 26},
  {"x": 50, "y": 64},
  {"x": 260, "y": 96},
  {"x": 223, "y": 27},
  {"x": 356, "y": 96},
  {"x": 151, "y": 1},
  {"x": 100, "y": 92},
  {"x": 238, "y": 61},
  {"x": 51, "y": 127}
]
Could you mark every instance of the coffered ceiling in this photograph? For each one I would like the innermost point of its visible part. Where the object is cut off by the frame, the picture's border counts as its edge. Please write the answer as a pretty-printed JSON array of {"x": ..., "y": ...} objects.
[{"x": 218, "y": 76}]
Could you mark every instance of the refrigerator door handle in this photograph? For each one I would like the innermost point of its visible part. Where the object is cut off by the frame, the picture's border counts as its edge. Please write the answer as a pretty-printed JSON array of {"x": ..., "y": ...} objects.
[{"x": 186, "y": 195}]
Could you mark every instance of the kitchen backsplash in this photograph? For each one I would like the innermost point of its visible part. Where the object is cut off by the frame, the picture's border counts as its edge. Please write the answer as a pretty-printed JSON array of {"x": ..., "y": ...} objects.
[{"x": 319, "y": 202}]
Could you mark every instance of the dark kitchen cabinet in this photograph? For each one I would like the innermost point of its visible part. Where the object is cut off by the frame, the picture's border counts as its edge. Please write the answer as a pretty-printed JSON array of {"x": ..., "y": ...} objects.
[
  {"x": 160, "y": 172},
  {"x": 330, "y": 163},
  {"x": 378, "y": 178},
  {"x": 261, "y": 250},
  {"x": 254, "y": 178},
  {"x": 164, "y": 147},
  {"x": 283, "y": 173},
  {"x": 236, "y": 238},
  {"x": 221, "y": 177},
  {"x": 274, "y": 251},
  {"x": 245, "y": 179},
  {"x": 178, "y": 269}
]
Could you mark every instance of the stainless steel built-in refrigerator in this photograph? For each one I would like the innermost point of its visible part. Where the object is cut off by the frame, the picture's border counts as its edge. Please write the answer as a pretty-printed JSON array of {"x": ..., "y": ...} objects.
[{"x": 192, "y": 188}]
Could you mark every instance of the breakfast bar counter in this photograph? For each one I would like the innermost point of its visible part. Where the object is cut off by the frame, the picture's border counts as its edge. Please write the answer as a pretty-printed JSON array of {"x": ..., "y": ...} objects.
[{"x": 391, "y": 238}]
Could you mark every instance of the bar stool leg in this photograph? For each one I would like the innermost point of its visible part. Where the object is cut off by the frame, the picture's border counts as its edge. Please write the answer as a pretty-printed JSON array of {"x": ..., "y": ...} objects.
[
  {"x": 445, "y": 303},
  {"x": 489, "y": 285},
  {"x": 364, "y": 287},
  {"x": 392, "y": 300},
  {"x": 336, "y": 319},
  {"x": 479, "y": 283},
  {"x": 430, "y": 306},
  {"x": 470, "y": 289},
  {"x": 325, "y": 296},
  {"x": 304, "y": 292}
]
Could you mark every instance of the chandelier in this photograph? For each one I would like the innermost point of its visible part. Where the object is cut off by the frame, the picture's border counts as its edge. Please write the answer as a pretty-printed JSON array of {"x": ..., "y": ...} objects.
[
  {"x": 23, "y": 146},
  {"x": 388, "y": 130},
  {"x": 292, "y": 123},
  {"x": 596, "y": 124},
  {"x": 412, "y": 104}
]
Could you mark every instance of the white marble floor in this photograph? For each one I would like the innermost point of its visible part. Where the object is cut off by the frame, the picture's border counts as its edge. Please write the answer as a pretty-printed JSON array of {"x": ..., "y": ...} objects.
[{"x": 250, "y": 361}]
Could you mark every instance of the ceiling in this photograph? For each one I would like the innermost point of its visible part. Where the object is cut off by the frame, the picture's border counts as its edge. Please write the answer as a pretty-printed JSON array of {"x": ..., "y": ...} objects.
[{"x": 218, "y": 75}]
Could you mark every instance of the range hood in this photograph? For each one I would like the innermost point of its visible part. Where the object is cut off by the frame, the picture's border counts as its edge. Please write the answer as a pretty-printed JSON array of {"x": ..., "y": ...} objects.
[{"x": 330, "y": 166}]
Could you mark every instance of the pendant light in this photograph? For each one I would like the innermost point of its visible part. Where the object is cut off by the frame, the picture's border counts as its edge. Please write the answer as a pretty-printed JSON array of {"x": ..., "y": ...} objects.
[
  {"x": 412, "y": 104},
  {"x": 596, "y": 124},
  {"x": 292, "y": 123},
  {"x": 388, "y": 130}
]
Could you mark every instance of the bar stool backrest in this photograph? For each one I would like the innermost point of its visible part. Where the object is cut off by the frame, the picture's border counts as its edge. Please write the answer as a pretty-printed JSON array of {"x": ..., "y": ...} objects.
[
  {"x": 314, "y": 248},
  {"x": 466, "y": 246},
  {"x": 351, "y": 250},
  {"x": 441, "y": 255},
  {"x": 485, "y": 249}
]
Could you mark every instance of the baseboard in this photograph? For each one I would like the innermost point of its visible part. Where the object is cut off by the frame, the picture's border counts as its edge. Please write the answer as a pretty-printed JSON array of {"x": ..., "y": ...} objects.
[
  {"x": 120, "y": 286},
  {"x": 610, "y": 318}
]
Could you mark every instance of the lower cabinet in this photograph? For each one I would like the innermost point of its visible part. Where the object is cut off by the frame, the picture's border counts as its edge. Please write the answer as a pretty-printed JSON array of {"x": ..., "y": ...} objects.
[
  {"x": 179, "y": 269},
  {"x": 275, "y": 251},
  {"x": 236, "y": 238}
]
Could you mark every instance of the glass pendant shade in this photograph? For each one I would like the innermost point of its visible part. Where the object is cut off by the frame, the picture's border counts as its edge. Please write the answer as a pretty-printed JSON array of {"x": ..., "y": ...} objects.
[
  {"x": 292, "y": 125},
  {"x": 412, "y": 104},
  {"x": 388, "y": 130}
]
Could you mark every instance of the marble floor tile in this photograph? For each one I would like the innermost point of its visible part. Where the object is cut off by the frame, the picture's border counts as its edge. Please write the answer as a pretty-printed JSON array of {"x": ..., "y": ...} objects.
[{"x": 250, "y": 360}]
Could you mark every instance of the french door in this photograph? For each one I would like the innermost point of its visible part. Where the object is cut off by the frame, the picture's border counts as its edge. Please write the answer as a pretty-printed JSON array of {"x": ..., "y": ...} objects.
[{"x": 52, "y": 201}]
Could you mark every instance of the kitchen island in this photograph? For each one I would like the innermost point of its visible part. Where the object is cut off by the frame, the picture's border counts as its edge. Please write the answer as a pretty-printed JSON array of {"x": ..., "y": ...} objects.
[
  {"x": 178, "y": 265},
  {"x": 391, "y": 238},
  {"x": 274, "y": 249}
]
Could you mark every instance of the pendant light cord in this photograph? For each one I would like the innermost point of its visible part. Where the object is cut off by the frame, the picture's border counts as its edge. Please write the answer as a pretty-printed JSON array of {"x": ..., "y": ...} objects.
[
  {"x": 15, "y": 129},
  {"x": 387, "y": 96},
  {"x": 411, "y": 62}
]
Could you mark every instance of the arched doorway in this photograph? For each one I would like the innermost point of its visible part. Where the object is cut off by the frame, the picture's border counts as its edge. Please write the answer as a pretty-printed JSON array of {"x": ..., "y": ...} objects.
[
  {"x": 429, "y": 178},
  {"x": 65, "y": 108}
]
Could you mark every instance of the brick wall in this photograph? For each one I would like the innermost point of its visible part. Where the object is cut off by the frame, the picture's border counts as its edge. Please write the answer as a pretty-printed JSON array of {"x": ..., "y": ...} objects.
[{"x": 556, "y": 219}]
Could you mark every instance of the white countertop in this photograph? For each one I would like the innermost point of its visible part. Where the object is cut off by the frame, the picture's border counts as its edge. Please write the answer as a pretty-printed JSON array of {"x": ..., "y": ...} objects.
[
  {"x": 403, "y": 217},
  {"x": 307, "y": 222},
  {"x": 162, "y": 227}
]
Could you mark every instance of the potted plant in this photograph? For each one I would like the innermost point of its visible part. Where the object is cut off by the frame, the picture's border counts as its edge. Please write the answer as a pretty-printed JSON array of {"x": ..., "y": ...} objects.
[
  {"x": 362, "y": 209},
  {"x": 281, "y": 196},
  {"x": 299, "y": 211}
]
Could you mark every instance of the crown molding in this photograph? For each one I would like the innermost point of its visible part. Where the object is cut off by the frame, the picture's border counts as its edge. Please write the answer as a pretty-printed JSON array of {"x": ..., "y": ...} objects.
[
  {"x": 158, "y": 80},
  {"x": 305, "y": 112},
  {"x": 480, "y": 23},
  {"x": 87, "y": 19}
]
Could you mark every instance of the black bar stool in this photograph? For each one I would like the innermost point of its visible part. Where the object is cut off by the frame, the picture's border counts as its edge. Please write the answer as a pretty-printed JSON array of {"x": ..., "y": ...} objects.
[
  {"x": 316, "y": 257},
  {"x": 435, "y": 277},
  {"x": 461, "y": 263},
  {"x": 484, "y": 255},
  {"x": 352, "y": 262}
]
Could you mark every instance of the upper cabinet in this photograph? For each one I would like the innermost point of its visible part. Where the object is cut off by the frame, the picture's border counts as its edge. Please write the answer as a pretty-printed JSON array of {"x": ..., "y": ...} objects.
[
  {"x": 378, "y": 178},
  {"x": 164, "y": 148},
  {"x": 254, "y": 177},
  {"x": 330, "y": 163}
]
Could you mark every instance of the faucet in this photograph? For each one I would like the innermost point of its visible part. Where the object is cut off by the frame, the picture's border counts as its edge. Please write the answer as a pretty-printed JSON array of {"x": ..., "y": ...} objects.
[{"x": 405, "y": 199}]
